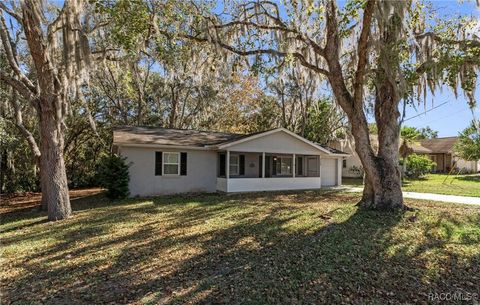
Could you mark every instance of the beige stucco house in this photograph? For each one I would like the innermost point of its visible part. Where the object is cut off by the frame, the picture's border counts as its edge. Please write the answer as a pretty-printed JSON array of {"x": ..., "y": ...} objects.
[
  {"x": 169, "y": 161},
  {"x": 440, "y": 150}
]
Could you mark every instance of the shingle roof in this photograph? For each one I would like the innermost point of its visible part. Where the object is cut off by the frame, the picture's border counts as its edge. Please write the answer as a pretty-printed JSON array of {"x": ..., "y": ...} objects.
[
  {"x": 182, "y": 137},
  {"x": 440, "y": 145},
  {"x": 174, "y": 137},
  {"x": 332, "y": 150},
  {"x": 418, "y": 148}
]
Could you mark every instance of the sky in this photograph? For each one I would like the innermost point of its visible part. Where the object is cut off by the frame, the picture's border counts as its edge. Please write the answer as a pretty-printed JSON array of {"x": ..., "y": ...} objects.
[{"x": 452, "y": 115}]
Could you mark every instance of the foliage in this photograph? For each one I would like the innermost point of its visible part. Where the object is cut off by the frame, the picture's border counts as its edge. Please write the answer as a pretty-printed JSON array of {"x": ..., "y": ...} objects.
[
  {"x": 409, "y": 134},
  {"x": 357, "y": 170},
  {"x": 418, "y": 165},
  {"x": 325, "y": 122},
  {"x": 18, "y": 172},
  {"x": 427, "y": 133},
  {"x": 240, "y": 249},
  {"x": 114, "y": 176},
  {"x": 373, "y": 129},
  {"x": 468, "y": 144}
]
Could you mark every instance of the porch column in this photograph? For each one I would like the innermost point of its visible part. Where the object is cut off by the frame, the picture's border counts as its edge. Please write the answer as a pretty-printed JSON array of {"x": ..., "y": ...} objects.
[
  {"x": 294, "y": 166},
  {"x": 319, "y": 171},
  {"x": 339, "y": 171},
  {"x": 263, "y": 164},
  {"x": 227, "y": 170}
]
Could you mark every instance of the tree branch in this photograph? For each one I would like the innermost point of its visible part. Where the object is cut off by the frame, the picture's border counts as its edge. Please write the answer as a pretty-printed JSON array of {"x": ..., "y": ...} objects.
[
  {"x": 363, "y": 50},
  {"x": 10, "y": 12},
  {"x": 12, "y": 60},
  {"x": 269, "y": 51},
  {"x": 17, "y": 85}
]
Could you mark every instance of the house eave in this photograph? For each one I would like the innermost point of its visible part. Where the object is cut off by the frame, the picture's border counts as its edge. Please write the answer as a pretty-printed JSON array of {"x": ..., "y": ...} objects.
[{"x": 153, "y": 145}]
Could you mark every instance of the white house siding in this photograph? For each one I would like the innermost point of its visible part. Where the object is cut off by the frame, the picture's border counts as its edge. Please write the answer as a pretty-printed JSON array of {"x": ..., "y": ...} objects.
[
  {"x": 201, "y": 172},
  {"x": 268, "y": 184},
  {"x": 353, "y": 161},
  {"x": 467, "y": 166}
]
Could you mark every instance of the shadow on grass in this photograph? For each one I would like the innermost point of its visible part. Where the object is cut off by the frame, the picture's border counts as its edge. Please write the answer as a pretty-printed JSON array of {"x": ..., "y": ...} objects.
[
  {"x": 244, "y": 249},
  {"x": 473, "y": 178}
]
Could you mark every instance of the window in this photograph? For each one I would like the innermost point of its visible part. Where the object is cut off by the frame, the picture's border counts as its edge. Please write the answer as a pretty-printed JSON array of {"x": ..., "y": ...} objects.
[
  {"x": 234, "y": 165},
  {"x": 284, "y": 165},
  {"x": 171, "y": 163},
  {"x": 344, "y": 163}
]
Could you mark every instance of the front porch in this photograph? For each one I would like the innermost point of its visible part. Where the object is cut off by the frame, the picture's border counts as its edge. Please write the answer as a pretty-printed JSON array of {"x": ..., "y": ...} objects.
[{"x": 268, "y": 171}]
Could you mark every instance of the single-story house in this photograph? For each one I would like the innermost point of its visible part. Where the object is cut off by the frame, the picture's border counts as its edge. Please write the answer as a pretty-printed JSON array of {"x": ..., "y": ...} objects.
[
  {"x": 440, "y": 150},
  {"x": 169, "y": 161}
]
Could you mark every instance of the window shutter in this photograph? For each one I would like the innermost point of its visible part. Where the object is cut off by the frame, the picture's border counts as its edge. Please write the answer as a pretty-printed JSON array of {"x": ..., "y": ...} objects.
[
  {"x": 299, "y": 165},
  {"x": 183, "y": 164},
  {"x": 222, "y": 164},
  {"x": 268, "y": 172},
  {"x": 260, "y": 161},
  {"x": 241, "y": 160},
  {"x": 158, "y": 163},
  {"x": 274, "y": 167}
]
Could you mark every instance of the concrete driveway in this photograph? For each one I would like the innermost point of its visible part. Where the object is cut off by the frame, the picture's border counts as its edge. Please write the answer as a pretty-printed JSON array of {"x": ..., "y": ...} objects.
[{"x": 429, "y": 196}]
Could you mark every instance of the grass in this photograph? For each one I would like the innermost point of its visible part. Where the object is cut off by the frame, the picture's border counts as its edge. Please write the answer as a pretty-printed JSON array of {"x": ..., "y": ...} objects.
[
  {"x": 271, "y": 248},
  {"x": 462, "y": 185}
]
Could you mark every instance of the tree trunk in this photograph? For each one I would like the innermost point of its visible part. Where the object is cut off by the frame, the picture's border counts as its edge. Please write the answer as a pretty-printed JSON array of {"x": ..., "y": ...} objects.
[
  {"x": 383, "y": 189},
  {"x": 53, "y": 174}
]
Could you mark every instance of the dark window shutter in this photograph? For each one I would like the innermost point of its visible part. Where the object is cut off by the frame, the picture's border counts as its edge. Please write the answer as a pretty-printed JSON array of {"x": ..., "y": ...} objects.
[
  {"x": 183, "y": 164},
  {"x": 241, "y": 160},
  {"x": 158, "y": 163},
  {"x": 260, "y": 161},
  {"x": 268, "y": 172},
  {"x": 274, "y": 166},
  {"x": 222, "y": 164},
  {"x": 299, "y": 166}
]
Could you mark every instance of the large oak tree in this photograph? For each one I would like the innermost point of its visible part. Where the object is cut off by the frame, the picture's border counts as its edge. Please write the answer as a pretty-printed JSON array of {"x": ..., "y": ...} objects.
[
  {"x": 48, "y": 56},
  {"x": 374, "y": 54}
]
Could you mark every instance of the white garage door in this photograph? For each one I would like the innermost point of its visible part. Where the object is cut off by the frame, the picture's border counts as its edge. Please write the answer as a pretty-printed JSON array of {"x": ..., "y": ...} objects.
[{"x": 329, "y": 172}]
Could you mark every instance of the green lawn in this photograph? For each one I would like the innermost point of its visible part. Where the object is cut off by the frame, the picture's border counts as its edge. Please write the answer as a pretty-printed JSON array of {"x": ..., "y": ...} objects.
[
  {"x": 272, "y": 248},
  {"x": 463, "y": 185}
]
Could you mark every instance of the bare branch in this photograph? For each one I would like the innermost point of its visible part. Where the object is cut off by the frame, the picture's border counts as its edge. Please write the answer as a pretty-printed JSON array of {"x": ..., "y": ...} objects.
[
  {"x": 12, "y": 60},
  {"x": 363, "y": 50},
  {"x": 10, "y": 12},
  {"x": 17, "y": 85},
  {"x": 21, "y": 127}
]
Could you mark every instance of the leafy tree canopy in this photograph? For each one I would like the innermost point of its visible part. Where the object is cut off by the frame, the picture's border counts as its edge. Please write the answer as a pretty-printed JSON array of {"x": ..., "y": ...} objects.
[{"x": 468, "y": 145}]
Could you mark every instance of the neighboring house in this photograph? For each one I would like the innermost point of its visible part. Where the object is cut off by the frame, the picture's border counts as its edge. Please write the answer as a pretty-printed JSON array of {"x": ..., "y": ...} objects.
[
  {"x": 440, "y": 150},
  {"x": 168, "y": 161}
]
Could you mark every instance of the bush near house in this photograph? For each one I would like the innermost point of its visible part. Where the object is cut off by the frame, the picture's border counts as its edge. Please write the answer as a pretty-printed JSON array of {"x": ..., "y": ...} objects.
[
  {"x": 418, "y": 166},
  {"x": 114, "y": 177}
]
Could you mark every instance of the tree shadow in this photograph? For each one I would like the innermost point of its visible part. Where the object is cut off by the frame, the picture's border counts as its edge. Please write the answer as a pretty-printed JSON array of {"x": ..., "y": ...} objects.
[
  {"x": 473, "y": 178},
  {"x": 216, "y": 249}
]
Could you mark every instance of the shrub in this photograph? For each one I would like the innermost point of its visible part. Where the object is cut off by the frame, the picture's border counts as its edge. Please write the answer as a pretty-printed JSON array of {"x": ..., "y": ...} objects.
[
  {"x": 114, "y": 176},
  {"x": 418, "y": 166},
  {"x": 357, "y": 170}
]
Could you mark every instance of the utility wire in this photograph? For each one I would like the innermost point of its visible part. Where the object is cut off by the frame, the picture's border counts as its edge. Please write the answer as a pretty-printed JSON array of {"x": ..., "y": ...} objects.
[{"x": 415, "y": 116}]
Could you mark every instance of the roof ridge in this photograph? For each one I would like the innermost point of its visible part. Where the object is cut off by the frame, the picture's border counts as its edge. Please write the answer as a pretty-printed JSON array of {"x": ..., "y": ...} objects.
[
  {"x": 179, "y": 129},
  {"x": 440, "y": 138}
]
